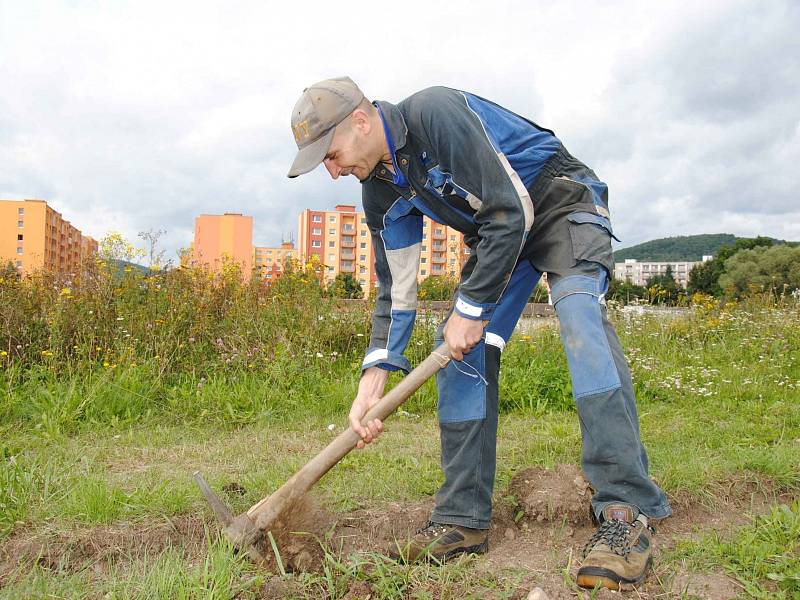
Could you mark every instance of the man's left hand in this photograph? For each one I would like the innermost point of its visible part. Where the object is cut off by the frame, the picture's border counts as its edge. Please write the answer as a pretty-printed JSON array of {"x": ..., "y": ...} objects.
[{"x": 462, "y": 334}]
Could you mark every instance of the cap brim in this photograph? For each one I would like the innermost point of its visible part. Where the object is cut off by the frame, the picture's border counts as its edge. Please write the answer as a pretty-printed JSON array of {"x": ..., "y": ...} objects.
[{"x": 311, "y": 156}]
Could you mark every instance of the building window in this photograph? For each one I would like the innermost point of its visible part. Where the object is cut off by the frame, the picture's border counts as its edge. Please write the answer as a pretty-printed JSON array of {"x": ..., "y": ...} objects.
[
  {"x": 331, "y": 231},
  {"x": 316, "y": 243},
  {"x": 362, "y": 282},
  {"x": 363, "y": 269},
  {"x": 332, "y": 219},
  {"x": 363, "y": 244},
  {"x": 424, "y": 248},
  {"x": 20, "y": 211},
  {"x": 423, "y": 272},
  {"x": 19, "y": 237},
  {"x": 316, "y": 231},
  {"x": 331, "y": 257},
  {"x": 363, "y": 220},
  {"x": 19, "y": 223},
  {"x": 19, "y": 263},
  {"x": 424, "y": 236},
  {"x": 423, "y": 260},
  {"x": 316, "y": 218},
  {"x": 331, "y": 244},
  {"x": 362, "y": 257},
  {"x": 363, "y": 234}
]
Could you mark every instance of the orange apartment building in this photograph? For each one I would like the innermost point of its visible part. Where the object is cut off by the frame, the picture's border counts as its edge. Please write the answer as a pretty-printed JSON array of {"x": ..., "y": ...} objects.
[
  {"x": 33, "y": 236},
  {"x": 341, "y": 241},
  {"x": 219, "y": 238},
  {"x": 269, "y": 262}
]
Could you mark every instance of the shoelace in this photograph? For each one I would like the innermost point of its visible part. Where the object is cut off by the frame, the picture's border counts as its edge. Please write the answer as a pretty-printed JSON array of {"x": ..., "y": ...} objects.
[
  {"x": 432, "y": 529},
  {"x": 617, "y": 535}
]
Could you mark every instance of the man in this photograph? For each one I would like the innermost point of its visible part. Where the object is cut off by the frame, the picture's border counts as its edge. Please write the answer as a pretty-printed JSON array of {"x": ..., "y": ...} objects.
[{"x": 525, "y": 207}]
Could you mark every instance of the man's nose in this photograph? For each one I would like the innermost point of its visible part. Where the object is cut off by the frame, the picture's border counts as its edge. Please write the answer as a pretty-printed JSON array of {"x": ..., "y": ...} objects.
[{"x": 333, "y": 170}]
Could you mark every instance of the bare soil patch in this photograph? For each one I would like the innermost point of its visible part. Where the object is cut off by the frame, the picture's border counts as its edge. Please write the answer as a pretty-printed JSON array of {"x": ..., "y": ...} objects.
[{"x": 540, "y": 525}]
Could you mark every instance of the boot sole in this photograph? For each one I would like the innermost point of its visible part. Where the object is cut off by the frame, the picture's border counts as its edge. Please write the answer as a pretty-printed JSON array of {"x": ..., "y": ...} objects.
[{"x": 590, "y": 577}]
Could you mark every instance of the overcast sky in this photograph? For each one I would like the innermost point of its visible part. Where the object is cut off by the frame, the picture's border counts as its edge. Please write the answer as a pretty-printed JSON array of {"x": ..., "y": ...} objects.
[{"x": 142, "y": 115}]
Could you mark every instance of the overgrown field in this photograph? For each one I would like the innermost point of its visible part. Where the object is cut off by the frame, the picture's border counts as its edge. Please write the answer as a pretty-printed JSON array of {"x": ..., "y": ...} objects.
[{"x": 113, "y": 391}]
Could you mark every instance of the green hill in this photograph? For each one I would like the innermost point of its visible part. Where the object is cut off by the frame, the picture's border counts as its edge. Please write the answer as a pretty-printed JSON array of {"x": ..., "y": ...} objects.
[{"x": 682, "y": 247}]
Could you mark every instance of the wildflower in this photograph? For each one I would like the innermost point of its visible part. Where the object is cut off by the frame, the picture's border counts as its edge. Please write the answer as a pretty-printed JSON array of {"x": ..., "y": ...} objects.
[
  {"x": 319, "y": 355},
  {"x": 106, "y": 364},
  {"x": 65, "y": 291},
  {"x": 331, "y": 427},
  {"x": 3, "y": 353},
  {"x": 47, "y": 353},
  {"x": 120, "y": 318}
]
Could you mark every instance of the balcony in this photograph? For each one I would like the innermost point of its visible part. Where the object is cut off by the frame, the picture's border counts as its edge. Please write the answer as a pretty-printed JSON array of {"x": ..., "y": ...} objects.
[
  {"x": 348, "y": 256},
  {"x": 439, "y": 234},
  {"x": 438, "y": 246},
  {"x": 438, "y": 257},
  {"x": 347, "y": 267},
  {"x": 348, "y": 242}
]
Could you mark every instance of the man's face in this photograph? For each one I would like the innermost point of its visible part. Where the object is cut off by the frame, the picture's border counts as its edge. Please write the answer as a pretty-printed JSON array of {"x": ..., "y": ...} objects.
[{"x": 348, "y": 154}]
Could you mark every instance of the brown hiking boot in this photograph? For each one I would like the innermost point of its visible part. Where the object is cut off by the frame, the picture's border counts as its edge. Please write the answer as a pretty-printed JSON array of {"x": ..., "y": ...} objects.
[
  {"x": 619, "y": 553},
  {"x": 440, "y": 541}
]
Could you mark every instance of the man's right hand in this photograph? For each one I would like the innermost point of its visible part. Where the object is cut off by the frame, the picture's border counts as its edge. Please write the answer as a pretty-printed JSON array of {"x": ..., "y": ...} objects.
[{"x": 370, "y": 390}]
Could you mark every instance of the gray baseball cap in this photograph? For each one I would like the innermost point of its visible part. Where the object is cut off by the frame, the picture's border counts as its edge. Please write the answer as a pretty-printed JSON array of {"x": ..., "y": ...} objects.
[{"x": 315, "y": 116}]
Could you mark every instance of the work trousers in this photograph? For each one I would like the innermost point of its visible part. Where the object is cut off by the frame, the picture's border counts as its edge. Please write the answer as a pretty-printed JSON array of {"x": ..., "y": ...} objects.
[{"x": 571, "y": 242}]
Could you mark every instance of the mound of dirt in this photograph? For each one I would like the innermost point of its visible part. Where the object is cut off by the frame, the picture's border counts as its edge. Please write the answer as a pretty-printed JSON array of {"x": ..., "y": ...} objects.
[
  {"x": 298, "y": 535},
  {"x": 552, "y": 495}
]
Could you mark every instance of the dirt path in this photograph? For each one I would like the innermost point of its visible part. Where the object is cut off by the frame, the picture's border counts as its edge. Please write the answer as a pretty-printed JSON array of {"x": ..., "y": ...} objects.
[{"x": 540, "y": 526}]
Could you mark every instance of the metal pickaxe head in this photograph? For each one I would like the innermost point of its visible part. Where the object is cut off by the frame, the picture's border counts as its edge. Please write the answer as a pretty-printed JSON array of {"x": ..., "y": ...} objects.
[{"x": 241, "y": 530}]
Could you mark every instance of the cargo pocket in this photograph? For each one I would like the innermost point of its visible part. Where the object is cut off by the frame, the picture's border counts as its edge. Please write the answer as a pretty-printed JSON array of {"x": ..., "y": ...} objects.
[
  {"x": 591, "y": 238},
  {"x": 462, "y": 387}
]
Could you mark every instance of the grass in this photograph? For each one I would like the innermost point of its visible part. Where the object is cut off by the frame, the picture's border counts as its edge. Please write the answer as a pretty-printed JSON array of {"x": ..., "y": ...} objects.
[{"x": 88, "y": 447}]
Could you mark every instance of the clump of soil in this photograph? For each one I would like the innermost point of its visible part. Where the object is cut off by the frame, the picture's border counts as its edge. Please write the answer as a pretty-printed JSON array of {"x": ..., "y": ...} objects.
[
  {"x": 547, "y": 495},
  {"x": 298, "y": 534}
]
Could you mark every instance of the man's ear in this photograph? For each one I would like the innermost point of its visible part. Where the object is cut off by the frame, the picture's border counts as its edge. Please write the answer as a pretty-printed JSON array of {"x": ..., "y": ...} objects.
[{"x": 359, "y": 119}]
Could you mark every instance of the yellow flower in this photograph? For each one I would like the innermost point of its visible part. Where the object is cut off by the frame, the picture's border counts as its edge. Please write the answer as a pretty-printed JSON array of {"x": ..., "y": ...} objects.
[
  {"x": 66, "y": 291},
  {"x": 3, "y": 353},
  {"x": 47, "y": 353},
  {"x": 106, "y": 364}
]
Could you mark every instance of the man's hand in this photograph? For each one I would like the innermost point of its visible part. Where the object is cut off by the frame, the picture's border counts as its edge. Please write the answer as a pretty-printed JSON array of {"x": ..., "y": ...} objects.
[
  {"x": 462, "y": 334},
  {"x": 370, "y": 390}
]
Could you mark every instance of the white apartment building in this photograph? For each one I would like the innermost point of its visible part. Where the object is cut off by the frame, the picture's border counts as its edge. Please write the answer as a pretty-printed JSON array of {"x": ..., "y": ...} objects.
[{"x": 638, "y": 273}]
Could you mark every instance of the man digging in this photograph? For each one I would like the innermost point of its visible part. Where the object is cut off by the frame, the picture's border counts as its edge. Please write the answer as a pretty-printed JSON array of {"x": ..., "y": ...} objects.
[{"x": 525, "y": 207}]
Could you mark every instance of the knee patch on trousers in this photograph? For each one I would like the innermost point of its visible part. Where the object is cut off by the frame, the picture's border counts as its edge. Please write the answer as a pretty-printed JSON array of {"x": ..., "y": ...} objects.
[
  {"x": 577, "y": 300},
  {"x": 462, "y": 387}
]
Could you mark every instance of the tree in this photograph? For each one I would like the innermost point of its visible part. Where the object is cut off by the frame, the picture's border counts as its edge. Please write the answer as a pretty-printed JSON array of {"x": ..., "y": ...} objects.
[
  {"x": 663, "y": 288},
  {"x": 624, "y": 291},
  {"x": 115, "y": 248},
  {"x": 151, "y": 237},
  {"x": 345, "y": 285},
  {"x": 773, "y": 269},
  {"x": 437, "y": 287},
  {"x": 705, "y": 277}
]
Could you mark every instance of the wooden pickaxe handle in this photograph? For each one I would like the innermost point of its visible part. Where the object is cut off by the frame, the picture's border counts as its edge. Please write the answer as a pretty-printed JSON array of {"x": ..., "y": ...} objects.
[{"x": 264, "y": 514}]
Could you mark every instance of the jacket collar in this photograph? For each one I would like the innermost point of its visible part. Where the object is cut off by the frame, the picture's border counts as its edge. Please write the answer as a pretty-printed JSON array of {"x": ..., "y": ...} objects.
[{"x": 396, "y": 125}]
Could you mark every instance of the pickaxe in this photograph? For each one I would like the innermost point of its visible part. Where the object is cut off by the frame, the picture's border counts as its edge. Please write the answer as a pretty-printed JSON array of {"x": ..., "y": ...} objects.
[{"x": 247, "y": 530}]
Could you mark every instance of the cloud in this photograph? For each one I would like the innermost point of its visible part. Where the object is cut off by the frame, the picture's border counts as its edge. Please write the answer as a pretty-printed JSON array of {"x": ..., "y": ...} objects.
[{"x": 135, "y": 116}]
